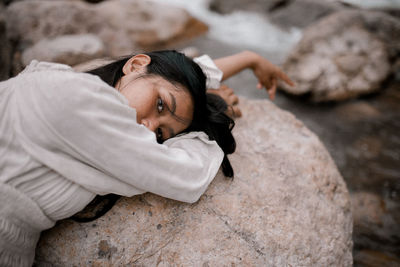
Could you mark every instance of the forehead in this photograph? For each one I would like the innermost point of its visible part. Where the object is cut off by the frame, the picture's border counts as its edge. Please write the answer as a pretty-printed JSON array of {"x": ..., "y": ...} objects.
[
  {"x": 167, "y": 85},
  {"x": 176, "y": 89},
  {"x": 179, "y": 103}
]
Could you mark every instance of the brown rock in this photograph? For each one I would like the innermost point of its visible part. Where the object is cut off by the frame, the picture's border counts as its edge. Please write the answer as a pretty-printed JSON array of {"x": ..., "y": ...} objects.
[
  {"x": 345, "y": 55},
  {"x": 350, "y": 64},
  {"x": 190, "y": 51},
  {"x": 286, "y": 206},
  {"x": 123, "y": 26},
  {"x": 368, "y": 210},
  {"x": 373, "y": 258},
  {"x": 357, "y": 111},
  {"x": 92, "y": 64},
  {"x": 66, "y": 49},
  {"x": 368, "y": 147}
]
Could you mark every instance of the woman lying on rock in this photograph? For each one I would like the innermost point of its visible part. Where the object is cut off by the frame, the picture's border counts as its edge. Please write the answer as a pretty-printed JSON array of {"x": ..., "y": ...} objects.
[{"x": 140, "y": 124}]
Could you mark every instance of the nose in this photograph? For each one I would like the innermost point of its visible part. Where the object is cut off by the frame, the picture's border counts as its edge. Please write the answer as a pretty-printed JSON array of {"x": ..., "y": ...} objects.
[{"x": 150, "y": 123}]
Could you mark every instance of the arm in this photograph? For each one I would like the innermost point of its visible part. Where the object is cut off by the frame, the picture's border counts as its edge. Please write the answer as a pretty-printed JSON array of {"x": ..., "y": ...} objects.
[
  {"x": 235, "y": 63},
  {"x": 83, "y": 129},
  {"x": 232, "y": 100},
  {"x": 266, "y": 73},
  {"x": 214, "y": 76}
]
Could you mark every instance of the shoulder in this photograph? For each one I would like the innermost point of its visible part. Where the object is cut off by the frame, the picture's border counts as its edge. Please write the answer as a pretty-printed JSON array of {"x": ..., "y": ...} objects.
[
  {"x": 45, "y": 81},
  {"x": 54, "y": 91}
]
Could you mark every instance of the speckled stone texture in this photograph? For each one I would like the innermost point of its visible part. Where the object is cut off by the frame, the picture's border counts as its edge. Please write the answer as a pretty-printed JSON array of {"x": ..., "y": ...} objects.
[
  {"x": 287, "y": 206},
  {"x": 344, "y": 55}
]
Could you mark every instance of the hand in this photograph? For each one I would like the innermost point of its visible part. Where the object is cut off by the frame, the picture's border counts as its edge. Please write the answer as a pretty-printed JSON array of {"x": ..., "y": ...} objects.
[
  {"x": 268, "y": 75},
  {"x": 227, "y": 94}
]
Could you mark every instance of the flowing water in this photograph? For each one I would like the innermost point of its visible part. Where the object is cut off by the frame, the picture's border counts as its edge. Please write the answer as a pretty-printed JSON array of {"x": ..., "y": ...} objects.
[{"x": 362, "y": 135}]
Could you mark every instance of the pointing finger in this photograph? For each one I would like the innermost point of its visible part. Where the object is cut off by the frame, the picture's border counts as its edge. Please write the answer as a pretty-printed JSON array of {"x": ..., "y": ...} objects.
[{"x": 285, "y": 78}]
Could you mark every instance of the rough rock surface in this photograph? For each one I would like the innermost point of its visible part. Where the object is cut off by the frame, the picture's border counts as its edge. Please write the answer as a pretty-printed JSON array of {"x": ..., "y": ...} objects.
[
  {"x": 344, "y": 55},
  {"x": 122, "y": 25},
  {"x": 287, "y": 206},
  {"x": 66, "y": 49}
]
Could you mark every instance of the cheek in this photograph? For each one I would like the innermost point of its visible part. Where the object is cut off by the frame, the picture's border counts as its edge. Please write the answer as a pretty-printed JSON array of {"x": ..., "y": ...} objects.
[
  {"x": 142, "y": 105},
  {"x": 141, "y": 99}
]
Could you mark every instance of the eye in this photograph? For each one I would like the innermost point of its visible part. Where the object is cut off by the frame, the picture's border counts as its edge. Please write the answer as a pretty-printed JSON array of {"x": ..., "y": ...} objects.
[
  {"x": 159, "y": 135},
  {"x": 160, "y": 105}
]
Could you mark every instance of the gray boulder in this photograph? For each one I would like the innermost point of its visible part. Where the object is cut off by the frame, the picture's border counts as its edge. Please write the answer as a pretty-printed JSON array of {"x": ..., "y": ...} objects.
[
  {"x": 66, "y": 49},
  {"x": 285, "y": 13},
  {"x": 345, "y": 55},
  {"x": 287, "y": 206},
  {"x": 123, "y": 26},
  {"x": 302, "y": 13}
]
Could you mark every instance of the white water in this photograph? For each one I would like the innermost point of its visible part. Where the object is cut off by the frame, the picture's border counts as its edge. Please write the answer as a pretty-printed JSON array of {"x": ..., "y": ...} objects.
[{"x": 247, "y": 30}]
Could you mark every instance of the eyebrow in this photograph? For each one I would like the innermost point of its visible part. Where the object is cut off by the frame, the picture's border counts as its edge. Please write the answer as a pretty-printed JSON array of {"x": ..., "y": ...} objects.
[
  {"x": 172, "y": 111},
  {"x": 173, "y": 101}
]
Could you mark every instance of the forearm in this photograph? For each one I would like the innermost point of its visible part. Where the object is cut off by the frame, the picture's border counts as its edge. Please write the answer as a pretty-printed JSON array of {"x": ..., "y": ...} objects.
[{"x": 234, "y": 64}]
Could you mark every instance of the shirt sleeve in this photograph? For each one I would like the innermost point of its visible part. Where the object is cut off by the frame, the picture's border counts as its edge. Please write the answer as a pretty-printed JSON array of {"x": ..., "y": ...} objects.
[
  {"x": 213, "y": 73},
  {"x": 88, "y": 128}
]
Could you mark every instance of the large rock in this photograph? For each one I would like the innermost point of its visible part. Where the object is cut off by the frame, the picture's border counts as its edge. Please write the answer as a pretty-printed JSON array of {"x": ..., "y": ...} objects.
[
  {"x": 7, "y": 2},
  {"x": 285, "y": 13},
  {"x": 286, "y": 206},
  {"x": 345, "y": 55},
  {"x": 66, "y": 49},
  {"x": 123, "y": 25},
  {"x": 98, "y": 62},
  {"x": 302, "y": 13},
  {"x": 368, "y": 212}
]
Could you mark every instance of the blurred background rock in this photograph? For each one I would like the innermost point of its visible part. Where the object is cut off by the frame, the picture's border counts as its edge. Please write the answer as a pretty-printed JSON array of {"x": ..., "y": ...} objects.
[
  {"x": 122, "y": 27},
  {"x": 344, "y": 56}
]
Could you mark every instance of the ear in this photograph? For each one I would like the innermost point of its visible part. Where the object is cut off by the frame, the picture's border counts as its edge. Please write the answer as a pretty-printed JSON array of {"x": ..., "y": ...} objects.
[{"x": 137, "y": 63}]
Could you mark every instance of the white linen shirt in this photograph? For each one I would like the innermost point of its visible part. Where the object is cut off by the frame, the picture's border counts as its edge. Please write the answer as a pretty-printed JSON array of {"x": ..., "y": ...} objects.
[{"x": 67, "y": 136}]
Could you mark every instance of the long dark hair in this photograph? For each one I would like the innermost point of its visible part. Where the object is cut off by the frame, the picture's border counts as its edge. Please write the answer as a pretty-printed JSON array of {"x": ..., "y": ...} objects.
[{"x": 209, "y": 109}]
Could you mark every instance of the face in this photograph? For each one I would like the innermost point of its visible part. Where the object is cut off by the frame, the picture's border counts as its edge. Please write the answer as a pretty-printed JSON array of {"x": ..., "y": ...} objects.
[{"x": 164, "y": 108}]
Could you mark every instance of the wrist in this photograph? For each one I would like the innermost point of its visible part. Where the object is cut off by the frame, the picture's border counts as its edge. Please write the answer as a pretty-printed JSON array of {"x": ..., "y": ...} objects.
[{"x": 252, "y": 59}]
